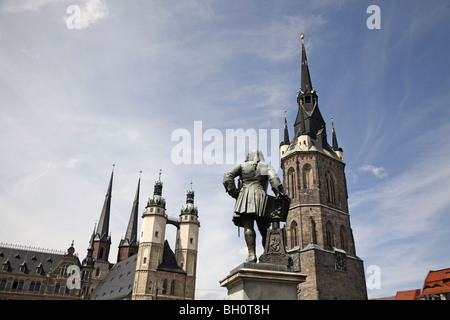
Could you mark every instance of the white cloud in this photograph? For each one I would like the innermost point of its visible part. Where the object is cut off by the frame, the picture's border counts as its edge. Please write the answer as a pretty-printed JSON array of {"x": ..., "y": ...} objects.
[
  {"x": 93, "y": 11},
  {"x": 378, "y": 172}
]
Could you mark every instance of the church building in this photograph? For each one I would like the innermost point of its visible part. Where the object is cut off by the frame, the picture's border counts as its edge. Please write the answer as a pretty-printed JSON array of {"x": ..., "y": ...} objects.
[
  {"x": 146, "y": 266},
  {"x": 318, "y": 223}
]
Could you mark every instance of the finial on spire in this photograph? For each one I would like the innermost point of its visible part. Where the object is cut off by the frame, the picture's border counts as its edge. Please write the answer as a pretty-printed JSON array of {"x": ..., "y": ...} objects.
[
  {"x": 160, "y": 170},
  {"x": 191, "y": 184},
  {"x": 302, "y": 36},
  {"x": 113, "y": 166}
]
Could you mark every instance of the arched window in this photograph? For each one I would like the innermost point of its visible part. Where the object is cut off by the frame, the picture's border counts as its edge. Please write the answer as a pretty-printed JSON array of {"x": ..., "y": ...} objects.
[
  {"x": 294, "y": 234},
  {"x": 329, "y": 235},
  {"x": 291, "y": 182},
  {"x": 165, "y": 286},
  {"x": 172, "y": 288},
  {"x": 331, "y": 186},
  {"x": 307, "y": 176},
  {"x": 343, "y": 238},
  {"x": 100, "y": 254}
]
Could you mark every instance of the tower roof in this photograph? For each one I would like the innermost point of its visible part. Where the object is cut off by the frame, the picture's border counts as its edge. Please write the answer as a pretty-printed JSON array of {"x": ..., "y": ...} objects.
[
  {"x": 102, "y": 232},
  {"x": 286, "y": 140},
  {"x": 131, "y": 233},
  {"x": 309, "y": 120},
  {"x": 189, "y": 207},
  {"x": 306, "y": 84},
  {"x": 157, "y": 199},
  {"x": 335, "y": 146}
]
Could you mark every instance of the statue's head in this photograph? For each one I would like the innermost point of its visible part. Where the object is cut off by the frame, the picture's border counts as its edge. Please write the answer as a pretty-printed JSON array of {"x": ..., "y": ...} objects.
[{"x": 255, "y": 155}]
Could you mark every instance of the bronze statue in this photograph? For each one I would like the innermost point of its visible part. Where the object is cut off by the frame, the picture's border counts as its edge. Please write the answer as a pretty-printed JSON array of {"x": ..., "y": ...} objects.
[{"x": 252, "y": 199}]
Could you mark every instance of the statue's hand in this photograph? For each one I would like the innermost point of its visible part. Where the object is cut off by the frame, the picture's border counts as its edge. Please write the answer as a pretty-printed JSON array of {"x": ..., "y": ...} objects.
[{"x": 234, "y": 193}]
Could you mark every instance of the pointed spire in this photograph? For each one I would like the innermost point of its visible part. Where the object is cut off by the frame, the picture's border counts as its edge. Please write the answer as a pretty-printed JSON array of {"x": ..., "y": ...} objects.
[
  {"x": 335, "y": 145},
  {"x": 306, "y": 84},
  {"x": 103, "y": 224},
  {"x": 89, "y": 260},
  {"x": 131, "y": 234},
  {"x": 286, "y": 140}
]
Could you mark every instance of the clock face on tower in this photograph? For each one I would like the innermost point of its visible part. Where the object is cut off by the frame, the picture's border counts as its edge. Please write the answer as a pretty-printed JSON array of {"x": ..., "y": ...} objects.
[{"x": 340, "y": 261}]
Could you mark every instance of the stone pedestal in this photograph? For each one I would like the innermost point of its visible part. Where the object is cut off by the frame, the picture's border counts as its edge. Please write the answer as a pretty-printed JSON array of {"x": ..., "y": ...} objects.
[{"x": 262, "y": 281}]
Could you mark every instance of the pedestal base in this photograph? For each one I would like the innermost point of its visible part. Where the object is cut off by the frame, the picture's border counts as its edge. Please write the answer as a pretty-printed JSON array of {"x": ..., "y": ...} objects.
[{"x": 262, "y": 281}]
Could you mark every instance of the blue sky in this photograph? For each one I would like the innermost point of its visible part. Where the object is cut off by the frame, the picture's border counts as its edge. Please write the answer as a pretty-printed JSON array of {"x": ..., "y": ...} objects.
[{"x": 76, "y": 101}]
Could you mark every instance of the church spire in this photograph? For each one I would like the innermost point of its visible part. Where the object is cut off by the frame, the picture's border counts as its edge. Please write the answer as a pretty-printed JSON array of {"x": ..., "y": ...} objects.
[
  {"x": 309, "y": 120},
  {"x": 306, "y": 84},
  {"x": 286, "y": 140},
  {"x": 102, "y": 239},
  {"x": 335, "y": 145},
  {"x": 131, "y": 234},
  {"x": 103, "y": 224},
  {"x": 128, "y": 246}
]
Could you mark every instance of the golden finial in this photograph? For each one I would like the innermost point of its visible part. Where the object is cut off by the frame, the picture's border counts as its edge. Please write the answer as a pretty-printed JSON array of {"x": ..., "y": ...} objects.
[{"x": 302, "y": 36}]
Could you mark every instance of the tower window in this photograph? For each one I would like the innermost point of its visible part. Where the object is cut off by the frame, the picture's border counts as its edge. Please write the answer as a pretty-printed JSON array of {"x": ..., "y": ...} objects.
[
  {"x": 172, "y": 288},
  {"x": 156, "y": 234},
  {"x": 165, "y": 286},
  {"x": 307, "y": 99},
  {"x": 307, "y": 176},
  {"x": 191, "y": 240},
  {"x": 331, "y": 184},
  {"x": 291, "y": 182},
  {"x": 329, "y": 235},
  {"x": 294, "y": 240}
]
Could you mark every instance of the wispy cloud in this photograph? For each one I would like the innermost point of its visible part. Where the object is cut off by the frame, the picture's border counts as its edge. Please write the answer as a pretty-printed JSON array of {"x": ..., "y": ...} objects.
[{"x": 378, "y": 172}]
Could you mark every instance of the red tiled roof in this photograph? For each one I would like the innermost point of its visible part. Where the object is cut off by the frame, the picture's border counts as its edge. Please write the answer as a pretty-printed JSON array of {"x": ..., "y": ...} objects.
[
  {"x": 407, "y": 294},
  {"x": 437, "y": 282}
]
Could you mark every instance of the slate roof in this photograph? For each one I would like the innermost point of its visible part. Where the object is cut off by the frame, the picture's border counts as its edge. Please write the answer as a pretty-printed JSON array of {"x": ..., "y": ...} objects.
[
  {"x": 13, "y": 257},
  {"x": 118, "y": 283}
]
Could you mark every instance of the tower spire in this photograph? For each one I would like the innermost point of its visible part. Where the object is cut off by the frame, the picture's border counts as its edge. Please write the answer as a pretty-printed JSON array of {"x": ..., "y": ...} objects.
[
  {"x": 306, "y": 84},
  {"x": 131, "y": 234},
  {"x": 128, "y": 246},
  {"x": 103, "y": 224},
  {"x": 309, "y": 120},
  {"x": 286, "y": 140},
  {"x": 335, "y": 146}
]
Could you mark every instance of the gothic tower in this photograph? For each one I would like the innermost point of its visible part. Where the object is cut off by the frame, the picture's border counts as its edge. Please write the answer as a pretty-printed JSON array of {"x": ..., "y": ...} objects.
[
  {"x": 187, "y": 242},
  {"x": 101, "y": 243},
  {"x": 128, "y": 246},
  {"x": 151, "y": 244},
  {"x": 318, "y": 223}
]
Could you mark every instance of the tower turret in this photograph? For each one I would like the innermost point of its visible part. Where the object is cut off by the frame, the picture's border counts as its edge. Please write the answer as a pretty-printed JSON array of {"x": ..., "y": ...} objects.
[
  {"x": 151, "y": 243},
  {"x": 187, "y": 241}
]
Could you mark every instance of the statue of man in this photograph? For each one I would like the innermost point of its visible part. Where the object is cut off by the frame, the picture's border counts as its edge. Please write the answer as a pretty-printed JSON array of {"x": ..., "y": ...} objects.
[{"x": 254, "y": 175}]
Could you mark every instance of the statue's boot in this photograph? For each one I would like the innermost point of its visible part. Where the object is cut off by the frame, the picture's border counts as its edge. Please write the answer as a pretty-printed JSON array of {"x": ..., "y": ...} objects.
[{"x": 250, "y": 241}]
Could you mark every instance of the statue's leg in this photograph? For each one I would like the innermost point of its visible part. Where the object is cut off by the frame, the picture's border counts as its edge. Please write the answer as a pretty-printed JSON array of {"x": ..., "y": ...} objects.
[
  {"x": 250, "y": 235},
  {"x": 263, "y": 225}
]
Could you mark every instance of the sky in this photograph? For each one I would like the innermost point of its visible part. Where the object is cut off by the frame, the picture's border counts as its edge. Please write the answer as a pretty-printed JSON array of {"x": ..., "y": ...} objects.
[{"x": 150, "y": 85}]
